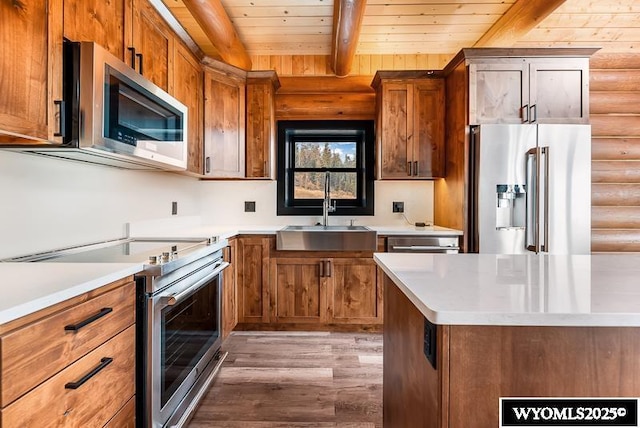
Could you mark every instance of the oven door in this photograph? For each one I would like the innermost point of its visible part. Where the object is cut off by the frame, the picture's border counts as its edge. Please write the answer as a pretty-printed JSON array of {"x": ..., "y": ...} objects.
[{"x": 182, "y": 340}]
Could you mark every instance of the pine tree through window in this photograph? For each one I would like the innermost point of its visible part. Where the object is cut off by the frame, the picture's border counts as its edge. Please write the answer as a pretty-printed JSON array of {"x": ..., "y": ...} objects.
[{"x": 307, "y": 149}]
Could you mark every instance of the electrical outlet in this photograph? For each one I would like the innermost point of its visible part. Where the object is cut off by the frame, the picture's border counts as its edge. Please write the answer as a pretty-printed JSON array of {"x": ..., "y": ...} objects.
[
  {"x": 398, "y": 207},
  {"x": 174, "y": 208},
  {"x": 249, "y": 206}
]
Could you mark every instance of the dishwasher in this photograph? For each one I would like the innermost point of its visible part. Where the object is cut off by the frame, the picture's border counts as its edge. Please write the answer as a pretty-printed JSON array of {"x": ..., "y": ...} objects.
[{"x": 423, "y": 244}]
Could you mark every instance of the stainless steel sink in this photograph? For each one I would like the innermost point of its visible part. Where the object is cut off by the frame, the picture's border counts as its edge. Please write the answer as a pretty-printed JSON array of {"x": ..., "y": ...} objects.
[{"x": 326, "y": 238}]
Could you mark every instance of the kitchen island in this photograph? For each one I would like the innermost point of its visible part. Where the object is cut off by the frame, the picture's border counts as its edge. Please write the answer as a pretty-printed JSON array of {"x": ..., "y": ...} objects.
[{"x": 461, "y": 331}]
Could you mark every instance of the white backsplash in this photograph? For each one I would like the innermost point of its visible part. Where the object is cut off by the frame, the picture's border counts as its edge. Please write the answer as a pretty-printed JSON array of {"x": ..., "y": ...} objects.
[
  {"x": 222, "y": 202},
  {"x": 51, "y": 203}
]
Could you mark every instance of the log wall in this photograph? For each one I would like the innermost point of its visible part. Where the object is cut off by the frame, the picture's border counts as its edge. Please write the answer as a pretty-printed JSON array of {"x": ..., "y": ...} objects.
[{"x": 615, "y": 127}]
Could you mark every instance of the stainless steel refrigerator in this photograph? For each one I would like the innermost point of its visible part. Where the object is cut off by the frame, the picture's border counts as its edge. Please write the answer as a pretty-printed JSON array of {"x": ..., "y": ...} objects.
[{"x": 530, "y": 189}]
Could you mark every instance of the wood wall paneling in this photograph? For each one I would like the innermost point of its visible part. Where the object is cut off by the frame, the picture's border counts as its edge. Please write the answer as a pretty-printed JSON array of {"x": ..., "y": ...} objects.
[{"x": 615, "y": 121}]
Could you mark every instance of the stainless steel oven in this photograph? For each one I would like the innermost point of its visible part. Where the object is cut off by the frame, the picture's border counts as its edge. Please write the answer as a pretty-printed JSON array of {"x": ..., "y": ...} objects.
[{"x": 180, "y": 317}]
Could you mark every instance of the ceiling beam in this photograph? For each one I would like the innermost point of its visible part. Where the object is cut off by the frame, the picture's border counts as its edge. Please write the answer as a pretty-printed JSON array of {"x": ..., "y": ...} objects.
[
  {"x": 215, "y": 23},
  {"x": 347, "y": 20},
  {"x": 521, "y": 18}
]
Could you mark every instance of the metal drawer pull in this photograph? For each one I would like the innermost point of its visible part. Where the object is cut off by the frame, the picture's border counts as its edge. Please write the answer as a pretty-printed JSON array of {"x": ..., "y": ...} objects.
[
  {"x": 92, "y": 318},
  {"x": 77, "y": 384}
]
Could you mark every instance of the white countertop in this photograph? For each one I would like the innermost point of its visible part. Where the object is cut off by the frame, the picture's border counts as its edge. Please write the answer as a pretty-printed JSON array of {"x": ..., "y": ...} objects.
[
  {"x": 534, "y": 290},
  {"x": 230, "y": 231},
  {"x": 30, "y": 287}
]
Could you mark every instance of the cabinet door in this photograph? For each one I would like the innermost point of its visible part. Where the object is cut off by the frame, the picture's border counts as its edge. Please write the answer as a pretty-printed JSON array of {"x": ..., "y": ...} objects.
[
  {"x": 187, "y": 88},
  {"x": 559, "y": 90},
  {"x": 298, "y": 290},
  {"x": 260, "y": 127},
  {"x": 354, "y": 292},
  {"x": 395, "y": 130},
  {"x": 428, "y": 135},
  {"x": 498, "y": 92},
  {"x": 153, "y": 43},
  {"x": 102, "y": 22},
  {"x": 224, "y": 126},
  {"x": 229, "y": 290},
  {"x": 30, "y": 69},
  {"x": 253, "y": 279}
]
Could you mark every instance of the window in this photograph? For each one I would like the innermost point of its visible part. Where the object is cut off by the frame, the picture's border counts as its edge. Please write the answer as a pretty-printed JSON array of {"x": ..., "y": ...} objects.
[{"x": 309, "y": 149}]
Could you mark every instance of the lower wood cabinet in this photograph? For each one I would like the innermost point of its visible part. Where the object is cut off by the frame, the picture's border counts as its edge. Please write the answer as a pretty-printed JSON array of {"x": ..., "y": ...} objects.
[
  {"x": 299, "y": 290},
  {"x": 253, "y": 279},
  {"x": 305, "y": 290},
  {"x": 230, "y": 290},
  {"x": 325, "y": 290},
  {"x": 72, "y": 364}
]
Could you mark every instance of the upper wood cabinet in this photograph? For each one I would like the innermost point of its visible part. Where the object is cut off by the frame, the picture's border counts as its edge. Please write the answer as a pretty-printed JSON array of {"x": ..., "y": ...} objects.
[
  {"x": 151, "y": 46},
  {"x": 187, "y": 87},
  {"x": 30, "y": 70},
  {"x": 107, "y": 23},
  {"x": 261, "y": 133},
  {"x": 409, "y": 125},
  {"x": 224, "y": 121},
  {"x": 528, "y": 89}
]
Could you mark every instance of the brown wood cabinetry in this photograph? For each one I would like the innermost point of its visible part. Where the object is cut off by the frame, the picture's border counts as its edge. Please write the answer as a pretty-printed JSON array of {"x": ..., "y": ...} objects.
[
  {"x": 31, "y": 70},
  {"x": 187, "y": 87},
  {"x": 529, "y": 90},
  {"x": 150, "y": 50},
  {"x": 478, "y": 364},
  {"x": 230, "y": 290},
  {"x": 261, "y": 122},
  {"x": 44, "y": 354},
  {"x": 325, "y": 290},
  {"x": 409, "y": 125},
  {"x": 106, "y": 23},
  {"x": 253, "y": 278},
  {"x": 224, "y": 121},
  {"x": 299, "y": 290}
]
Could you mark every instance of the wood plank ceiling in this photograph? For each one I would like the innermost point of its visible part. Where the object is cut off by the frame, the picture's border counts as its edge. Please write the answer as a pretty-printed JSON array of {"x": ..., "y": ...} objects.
[{"x": 417, "y": 27}]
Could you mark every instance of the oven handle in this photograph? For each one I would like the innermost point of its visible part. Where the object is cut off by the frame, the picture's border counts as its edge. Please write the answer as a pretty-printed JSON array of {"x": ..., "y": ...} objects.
[{"x": 175, "y": 298}]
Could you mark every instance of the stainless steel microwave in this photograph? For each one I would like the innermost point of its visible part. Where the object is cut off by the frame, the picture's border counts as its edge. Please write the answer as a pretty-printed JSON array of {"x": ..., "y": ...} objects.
[{"x": 112, "y": 115}]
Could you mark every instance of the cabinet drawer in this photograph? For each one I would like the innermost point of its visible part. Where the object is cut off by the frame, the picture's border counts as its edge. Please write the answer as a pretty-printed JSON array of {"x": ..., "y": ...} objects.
[
  {"x": 37, "y": 351},
  {"x": 126, "y": 417},
  {"x": 91, "y": 404}
]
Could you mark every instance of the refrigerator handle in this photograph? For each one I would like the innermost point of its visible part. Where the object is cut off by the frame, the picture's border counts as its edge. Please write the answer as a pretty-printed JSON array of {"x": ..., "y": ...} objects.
[
  {"x": 532, "y": 225},
  {"x": 544, "y": 151}
]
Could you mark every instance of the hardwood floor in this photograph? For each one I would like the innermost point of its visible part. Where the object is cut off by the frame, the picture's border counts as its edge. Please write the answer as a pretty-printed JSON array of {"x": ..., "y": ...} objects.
[{"x": 296, "y": 379}]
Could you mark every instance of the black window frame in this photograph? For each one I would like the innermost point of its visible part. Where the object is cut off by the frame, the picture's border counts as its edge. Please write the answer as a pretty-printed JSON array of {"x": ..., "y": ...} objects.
[{"x": 359, "y": 131}]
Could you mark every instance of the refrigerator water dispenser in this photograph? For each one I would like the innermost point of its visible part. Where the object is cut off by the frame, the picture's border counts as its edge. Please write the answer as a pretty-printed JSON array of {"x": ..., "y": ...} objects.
[{"x": 510, "y": 206}]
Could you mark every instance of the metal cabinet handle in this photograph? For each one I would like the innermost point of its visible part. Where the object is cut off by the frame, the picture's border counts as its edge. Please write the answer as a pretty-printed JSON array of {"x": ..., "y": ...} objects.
[
  {"x": 61, "y": 119},
  {"x": 409, "y": 170},
  {"x": 322, "y": 269},
  {"x": 207, "y": 165},
  {"x": 104, "y": 362},
  {"x": 328, "y": 268},
  {"x": 133, "y": 56},
  {"x": 525, "y": 108},
  {"x": 92, "y": 318},
  {"x": 534, "y": 113},
  {"x": 139, "y": 56},
  {"x": 415, "y": 168}
]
